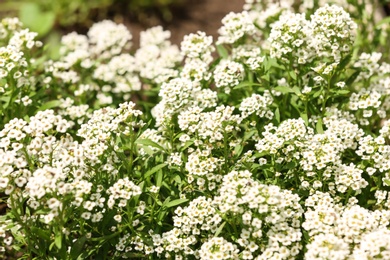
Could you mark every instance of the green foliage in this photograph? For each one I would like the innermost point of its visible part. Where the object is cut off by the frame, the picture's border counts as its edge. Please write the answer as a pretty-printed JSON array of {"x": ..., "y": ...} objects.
[{"x": 275, "y": 146}]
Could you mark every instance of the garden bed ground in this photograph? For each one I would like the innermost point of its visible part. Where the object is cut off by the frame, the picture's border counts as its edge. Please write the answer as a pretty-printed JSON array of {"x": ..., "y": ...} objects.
[{"x": 204, "y": 15}]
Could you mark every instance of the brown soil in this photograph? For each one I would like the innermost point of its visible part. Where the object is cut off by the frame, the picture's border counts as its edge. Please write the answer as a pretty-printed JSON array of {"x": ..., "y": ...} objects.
[{"x": 195, "y": 15}]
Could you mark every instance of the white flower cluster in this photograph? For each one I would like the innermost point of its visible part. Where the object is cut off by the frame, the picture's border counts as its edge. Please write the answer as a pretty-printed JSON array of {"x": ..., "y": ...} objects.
[
  {"x": 105, "y": 123},
  {"x": 196, "y": 70},
  {"x": 329, "y": 34},
  {"x": 332, "y": 32},
  {"x": 258, "y": 105},
  {"x": 119, "y": 72},
  {"x": 178, "y": 93},
  {"x": 157, "y": 58},
  {"x": 342, "y": 232},
  {"x": 228, "y": 74},
  {"x": 198, "y": 46},
  {"x": 270, "y": 216},
  {"x": 181, "y": 94},
  {"x": 210, "y": 126},
  {"x": 235, "y": 26},
  {"x": 376, "y": 153},
  {"x": 155, "y": 136},
  {"x": 264, "y": 11},
  {"x": 274, "y": 138},
  {"x": 319, "y": 155},
  {"x": 249, "y": 55},
  {"x": 76, "y": 113},
  {"x": 203, "y": 168},
  {"x": 8, "y": 26},
  {"x": 218, "y": 248},
  {"x": 370, "y": 63},
  {"x": 289, "y": 38},
  {"x": 14, "y": 65},
  {"x": 107, "y": 39},
  {"x": 123, "y": 190},
  {"x": 115, "y": 74},
  {"x": 374, "y": 245},
  {"x": 199, "y": 216}
]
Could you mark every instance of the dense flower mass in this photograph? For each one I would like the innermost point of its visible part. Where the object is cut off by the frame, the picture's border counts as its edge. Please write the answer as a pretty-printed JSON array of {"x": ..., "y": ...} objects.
[{"x": 270, "y": 143}]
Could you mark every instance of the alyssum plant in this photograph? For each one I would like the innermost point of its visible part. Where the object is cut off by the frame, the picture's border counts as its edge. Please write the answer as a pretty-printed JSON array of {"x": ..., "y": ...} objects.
[{"x": 277, "y": 149}]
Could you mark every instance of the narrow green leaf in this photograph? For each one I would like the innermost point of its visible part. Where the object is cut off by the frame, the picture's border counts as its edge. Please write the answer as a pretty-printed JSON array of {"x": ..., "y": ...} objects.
[
  {"x": 149, "y": 142},
  {"x": 319, "y": 127},
  {"x": 50, "y": 104},
  {"x": 58, "y": 240},
  {"x": 222, "y": 51},
  {"x": 293, "y": 75},
  {"x": 219, "y": 229},
  {"x": 383, "y": 21},
  {"x": 352, "y": 78},
  {"x": 45, "y": 235},
  {"x": 173, "y": 203},
  {"x": 341, "y": 91},
  {"x": 284, "y": 89},
  {"x": 159, "y": 178},
  {"x": 305, "y": 118},
  {"x": 277, "y": 115},
  {"x": 238, "y": 150},
  {"x": 266, "y": 77},
  {"x": 248, "y": 134},
  {"x": 344, "y": 62},
  {"x": 187, "y": 144},
  {"x": 387, "y": 181},
  {"x": 296, "y": 90},
  {"x": 154, "y": 169},
  {"x": 373, "y": 188},
  {"x": 177, "y": 179},
  {"x": 246, "y": 84},
  {"x": 77, "y": 247},
  {"x": 317, "y": 93}
]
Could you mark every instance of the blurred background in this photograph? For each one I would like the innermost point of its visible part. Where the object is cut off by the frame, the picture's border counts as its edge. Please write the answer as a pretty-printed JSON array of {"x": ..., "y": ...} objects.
[{"x": 53, "y": 18}]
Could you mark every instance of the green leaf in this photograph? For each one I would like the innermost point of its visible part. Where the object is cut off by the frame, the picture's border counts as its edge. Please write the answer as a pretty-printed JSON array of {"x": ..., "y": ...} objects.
[
  {"x": 177, "y": 179},
  {"x": 149, "y": 142},
  {"x": 341, "y": 91},
  {"x": 319, "y": 127},
  {"x": 248, "y": 134},
  {"x": 277, "y": 115},
  {"x": 159, "y": 178},
  {"x": 296, "y": 90},
  {"x": 383, "y": 21},
  {"x": 344, "y": 62},
  {"x": 246, "y": 84},
  {"x": 305, "y": 118},
  {"x": 50, "y": 104},
  {"x": 317, "y": 93},
  {"x": 77, "y": 247},
  {"x": 187, "y": 144},
  {"x": 352, "y": 78},
  {"x": 154, "y": 169},
  {"x": 45, "y": 235},
  {"x": 373, "y": 188},
  {"x": 173, "y": 203},
  {"x": 35, "y": 19},
  {"x": 387, "y": 181},
  {"x": 58, "y": 240},
  {"x": 222, "y": 51},
  {"x": 238, "y": 150},
  {"x": 219, "y": 229},
  {"x": 284, "y": 89},
  {"x": 293, "y": 75}
]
